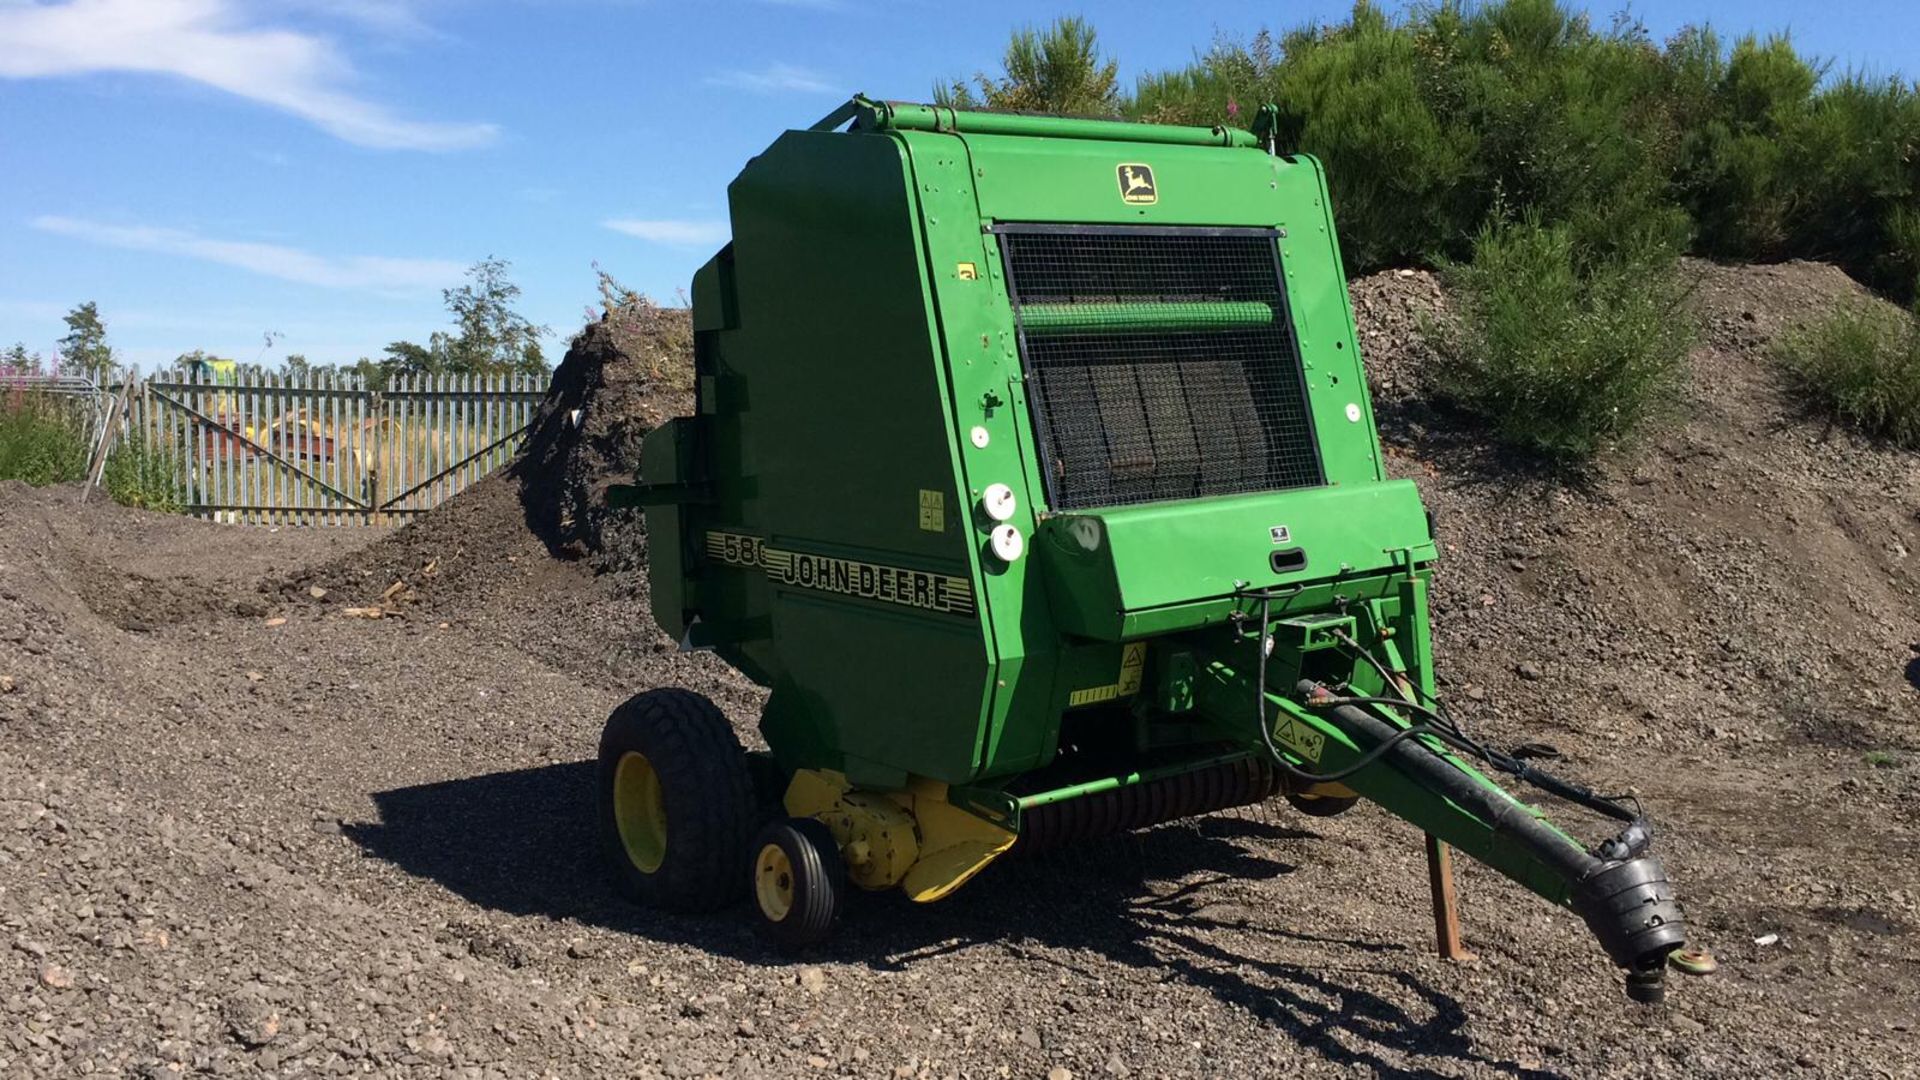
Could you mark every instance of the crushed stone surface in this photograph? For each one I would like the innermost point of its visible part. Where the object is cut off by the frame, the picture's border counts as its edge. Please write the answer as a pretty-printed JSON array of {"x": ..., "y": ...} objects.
[{"x": 243, "y": 832}]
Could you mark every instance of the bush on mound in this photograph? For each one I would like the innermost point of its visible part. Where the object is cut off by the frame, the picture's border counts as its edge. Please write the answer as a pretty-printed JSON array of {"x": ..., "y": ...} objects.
[
  {"x": 1861, "y": 363},
  {"x": 1563, "y": 356}
]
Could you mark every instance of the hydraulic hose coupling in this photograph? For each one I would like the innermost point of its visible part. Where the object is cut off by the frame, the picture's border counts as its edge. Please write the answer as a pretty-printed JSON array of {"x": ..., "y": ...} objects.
[{"x": 1631, "y": 910}]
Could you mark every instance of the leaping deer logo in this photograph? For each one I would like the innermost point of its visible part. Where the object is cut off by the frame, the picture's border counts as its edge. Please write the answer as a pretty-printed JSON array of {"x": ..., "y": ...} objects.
[{"x": 1136, "y": 184}]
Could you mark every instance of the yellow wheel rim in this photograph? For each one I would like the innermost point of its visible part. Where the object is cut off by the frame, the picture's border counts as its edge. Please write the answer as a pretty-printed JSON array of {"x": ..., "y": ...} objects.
[
  {"x": 639, "y": 811},
  {"x": 773, "y": 882}
]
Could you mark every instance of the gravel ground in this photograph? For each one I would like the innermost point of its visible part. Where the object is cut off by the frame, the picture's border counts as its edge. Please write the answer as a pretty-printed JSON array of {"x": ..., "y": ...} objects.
[{"x": 243, "y": 832}]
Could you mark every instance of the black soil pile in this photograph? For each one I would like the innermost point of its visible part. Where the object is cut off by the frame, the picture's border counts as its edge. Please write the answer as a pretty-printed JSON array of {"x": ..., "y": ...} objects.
[
  {"x": 623, "y": 377},
  {"x": 1748, "y": 564}
]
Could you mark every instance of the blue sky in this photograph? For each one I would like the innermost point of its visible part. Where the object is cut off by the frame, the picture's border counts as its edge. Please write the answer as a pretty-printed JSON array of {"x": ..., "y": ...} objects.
[{"x": 210, "y": 170}]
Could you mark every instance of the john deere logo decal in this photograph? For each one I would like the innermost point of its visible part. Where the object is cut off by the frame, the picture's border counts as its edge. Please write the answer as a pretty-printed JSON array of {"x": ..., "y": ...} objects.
[
  {"x": 1136, "y": 184},
  {"x": 870, "y": 581}
]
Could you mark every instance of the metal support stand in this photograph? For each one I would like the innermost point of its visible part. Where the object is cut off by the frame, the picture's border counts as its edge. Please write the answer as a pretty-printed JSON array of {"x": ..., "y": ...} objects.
[{"x": 1446, "y": 903}]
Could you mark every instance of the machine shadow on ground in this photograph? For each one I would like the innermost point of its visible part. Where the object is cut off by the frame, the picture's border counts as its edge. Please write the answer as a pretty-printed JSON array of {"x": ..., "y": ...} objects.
[{"x": 540, "y": 859}]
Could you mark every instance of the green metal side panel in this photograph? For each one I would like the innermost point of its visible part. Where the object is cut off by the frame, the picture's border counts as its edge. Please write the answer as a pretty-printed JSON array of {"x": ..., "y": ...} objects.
[
  {"x": 832, "y": 449},
  {"x": 989, "y": 416}
]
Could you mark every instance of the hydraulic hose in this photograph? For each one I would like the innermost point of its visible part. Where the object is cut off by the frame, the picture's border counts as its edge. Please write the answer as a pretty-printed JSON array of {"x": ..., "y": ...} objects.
[
  {"x": 1507, "y": 763},
  {"x": 1627, "y": 903}
]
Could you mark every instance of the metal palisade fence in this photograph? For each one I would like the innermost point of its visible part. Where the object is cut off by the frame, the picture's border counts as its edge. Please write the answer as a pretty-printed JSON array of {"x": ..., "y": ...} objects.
[{"x": 323, "y": 448}]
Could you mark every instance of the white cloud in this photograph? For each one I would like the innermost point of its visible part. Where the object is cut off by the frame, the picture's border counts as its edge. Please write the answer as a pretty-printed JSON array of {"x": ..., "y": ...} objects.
[
  {"x": 777, "y": 78},
  {"x": 210, "y": 42},
  {"x": 395, "y": 18},
  {"x": 679, "y": 233},
  {"x": 271, "y": 260}
]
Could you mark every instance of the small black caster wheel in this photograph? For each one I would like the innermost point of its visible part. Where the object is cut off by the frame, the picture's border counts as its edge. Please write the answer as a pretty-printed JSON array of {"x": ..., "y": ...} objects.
[{"x": 798, "y": 880}]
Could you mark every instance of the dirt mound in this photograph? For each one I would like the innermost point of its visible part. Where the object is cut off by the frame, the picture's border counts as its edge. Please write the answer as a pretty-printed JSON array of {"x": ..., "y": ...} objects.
[
  {"x": 1744, "y": 307},
  {"x": 622, "y": 377},
  {"x": 1748, "y": 565},
  {"x": 533, "y": 553},
  {"x": 1389, "y": 309},
  {"x": 78, "y": 578}
]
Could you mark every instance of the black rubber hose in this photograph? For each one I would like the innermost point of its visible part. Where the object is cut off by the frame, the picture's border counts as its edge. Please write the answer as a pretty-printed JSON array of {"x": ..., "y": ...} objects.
[
  {"x": 1503, "y": 815},
  {"x": 1520, "y": 770},
  {"x": 1628, "y": 904}
]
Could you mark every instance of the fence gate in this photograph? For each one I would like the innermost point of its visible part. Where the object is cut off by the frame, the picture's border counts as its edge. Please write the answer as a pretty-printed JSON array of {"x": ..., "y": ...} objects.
[{"x": 322, "y": 448}]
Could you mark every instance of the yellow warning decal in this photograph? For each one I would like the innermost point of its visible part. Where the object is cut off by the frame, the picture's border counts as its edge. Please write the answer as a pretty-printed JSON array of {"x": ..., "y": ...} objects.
[
  {"x": 1133, "y": 661},
  {"x": 920, "y": 589},
  {"x": 933, "y": 510},
  {"x": 1300, "y": 738}
]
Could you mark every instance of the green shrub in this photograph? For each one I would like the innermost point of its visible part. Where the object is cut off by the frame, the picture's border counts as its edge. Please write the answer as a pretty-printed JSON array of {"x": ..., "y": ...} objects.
[
  {"x": 42, "y": 439},
  {"x": 143, "y": 475},
  {"x": 1058, "y": 69},
  {"x": 1432, "y": 124},
  {"x": 1862, "y": 364},
  {"x": 1436, "y": 121},
  {"x": 1563, "y": 356}
]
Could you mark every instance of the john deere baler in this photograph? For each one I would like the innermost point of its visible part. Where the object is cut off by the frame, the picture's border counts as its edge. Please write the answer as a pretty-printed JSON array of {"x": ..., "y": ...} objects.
[{"x": 1034, "y": 473}]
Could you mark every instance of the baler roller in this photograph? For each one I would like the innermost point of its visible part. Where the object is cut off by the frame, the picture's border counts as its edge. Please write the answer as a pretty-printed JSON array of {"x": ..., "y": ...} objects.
[
  {"x": 1051, "y": 319},
  {"x": 1050, "y": 826}
]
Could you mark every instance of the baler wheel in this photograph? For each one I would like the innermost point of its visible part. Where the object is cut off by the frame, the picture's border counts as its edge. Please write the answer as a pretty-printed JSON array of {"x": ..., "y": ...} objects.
[
  {"x": 676, "y": 801},
  {"x": 1322, "y": 805},
  {"x": 798, "y": 881}
]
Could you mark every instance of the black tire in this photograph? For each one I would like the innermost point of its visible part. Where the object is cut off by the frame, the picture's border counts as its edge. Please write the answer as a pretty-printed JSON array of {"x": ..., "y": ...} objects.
[
  {"x": 815, "y": 880},
  {"x": 1322, "y": 805},
  {"x": 701, "y": 799}
]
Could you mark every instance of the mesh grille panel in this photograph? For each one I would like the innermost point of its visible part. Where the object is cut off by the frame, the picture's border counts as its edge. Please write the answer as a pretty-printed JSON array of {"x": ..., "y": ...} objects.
[{"x": 1160, "y": 362}]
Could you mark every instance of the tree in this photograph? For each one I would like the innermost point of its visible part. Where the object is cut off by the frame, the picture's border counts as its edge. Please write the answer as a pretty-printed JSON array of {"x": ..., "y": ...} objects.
[
  {"x": 491, "y": 337},
  {"x": 85, "y": 350},
  {"x": 18, "y": 361},
  {"x": 407, "y": 358},
  {"x": 373, "y": 373},
  {"x": 1056, "y": 70}
]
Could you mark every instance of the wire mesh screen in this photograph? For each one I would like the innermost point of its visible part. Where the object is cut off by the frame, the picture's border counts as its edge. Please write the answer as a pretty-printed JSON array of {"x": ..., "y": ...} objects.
[{"x": 1161, "y": 363}]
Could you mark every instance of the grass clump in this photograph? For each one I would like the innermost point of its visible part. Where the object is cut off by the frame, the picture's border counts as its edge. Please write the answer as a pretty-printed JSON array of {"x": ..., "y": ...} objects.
[
  {"x": 41, "y": 441},
  {"x": 1562, "y": 351},
  {"x": 1861, "y": 364},
  {"x": 142, "y": 475}
]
